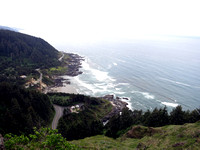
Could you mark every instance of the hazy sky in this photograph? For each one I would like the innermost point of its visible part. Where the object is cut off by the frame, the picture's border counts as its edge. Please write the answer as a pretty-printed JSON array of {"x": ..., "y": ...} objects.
[{"x": 65, "y": 21}]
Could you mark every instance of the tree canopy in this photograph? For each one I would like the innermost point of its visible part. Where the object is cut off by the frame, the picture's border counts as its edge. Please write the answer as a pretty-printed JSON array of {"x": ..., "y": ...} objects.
[{"x": 21, "y": 110}]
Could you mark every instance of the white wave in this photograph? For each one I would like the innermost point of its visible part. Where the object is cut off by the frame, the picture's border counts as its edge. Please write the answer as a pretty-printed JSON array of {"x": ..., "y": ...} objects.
[
  {"x": 118, "y": 89},
  {"x": 136, "y": 92},
  {"x": 128, "y": 102},
  {"x": 115, "y": 64},
  {"x": 86, "y": 85},
  {"x": 112, "y": 79},
  {"x": 120, "y": 60},
  {"x": 87, "y": 93},
  {"x": 122, "y": 84},
  {"x": 120, "y": 93},
  {"x": 96, "y": 88},
  {"x": 179, "y": 83},
  {"x": 110, "y": 85},
  {"x": 99, "y": 75},
  {"x": 148, "y": 96},
  {"x": 145, "y": 94},
  {"x": 100, "y": 84},
  {"x": 103, "y": 86},
  {"x": 170, "y": 104}
]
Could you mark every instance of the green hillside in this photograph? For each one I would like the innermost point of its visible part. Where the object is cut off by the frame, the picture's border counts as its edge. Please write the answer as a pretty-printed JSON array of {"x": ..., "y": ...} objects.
[
  {"x": 175, "y": 137},
  {"x": 23, "y": 58},
  {"x": 27, "y": 50},
  {"x": 21, "y": 54}
]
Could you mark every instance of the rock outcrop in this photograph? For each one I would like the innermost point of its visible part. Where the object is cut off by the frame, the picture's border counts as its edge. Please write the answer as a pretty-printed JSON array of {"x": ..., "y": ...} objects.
[
  {"x": 2, "y": 147},
  {"x": 118, "y": 105}
]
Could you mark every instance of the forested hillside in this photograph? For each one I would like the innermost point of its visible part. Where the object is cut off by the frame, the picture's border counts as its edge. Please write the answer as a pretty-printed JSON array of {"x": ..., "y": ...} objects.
[
  {"x": 21, "y": 110},
  {"x": 21, "y": 54},
  {"x": 27, "y": 50}
]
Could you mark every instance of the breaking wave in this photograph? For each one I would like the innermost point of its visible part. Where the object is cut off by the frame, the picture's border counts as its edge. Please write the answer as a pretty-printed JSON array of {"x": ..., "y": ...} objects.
[
  {"x": 179, "y": 83},
  {"x": 170, "y": 104}
]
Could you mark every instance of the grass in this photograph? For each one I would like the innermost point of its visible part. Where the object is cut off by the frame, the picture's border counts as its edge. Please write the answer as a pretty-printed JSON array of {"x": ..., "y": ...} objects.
[
  {"x": 47, "y": 80},
  {"x": 99, "y": 142},
  {"x": 60, "y": 100},
  {"x": 57, "y": 70},
  {"x": 171, "y": 137}
]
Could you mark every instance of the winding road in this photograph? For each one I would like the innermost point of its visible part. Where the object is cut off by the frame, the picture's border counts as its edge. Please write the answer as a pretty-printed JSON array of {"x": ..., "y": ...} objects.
[
  {"x": 59, "y": 112},
  {"x": 59, "y": 109}
]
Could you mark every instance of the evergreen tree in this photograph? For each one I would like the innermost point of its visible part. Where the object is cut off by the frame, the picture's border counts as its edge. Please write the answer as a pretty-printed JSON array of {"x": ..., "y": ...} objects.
[
  {"x": 21, "y": 109},
  {"x": 177, "y": 116}
]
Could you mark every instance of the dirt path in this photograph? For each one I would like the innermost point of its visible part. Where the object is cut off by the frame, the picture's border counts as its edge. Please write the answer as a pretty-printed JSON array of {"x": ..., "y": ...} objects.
[{"x": 59, "y": 112}]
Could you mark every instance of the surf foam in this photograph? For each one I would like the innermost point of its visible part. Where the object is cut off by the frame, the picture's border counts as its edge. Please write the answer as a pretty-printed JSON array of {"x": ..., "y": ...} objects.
[
  {"x": 145, "y": 94},
  {"x": 170, "y": 104},
  {"x": 148, "y": 96},
  {"x": 99, "y": 75}
]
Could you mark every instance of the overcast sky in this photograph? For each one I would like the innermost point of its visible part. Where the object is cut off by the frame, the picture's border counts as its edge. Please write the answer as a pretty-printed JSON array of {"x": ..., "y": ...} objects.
[{"x": 76, "y": 21}]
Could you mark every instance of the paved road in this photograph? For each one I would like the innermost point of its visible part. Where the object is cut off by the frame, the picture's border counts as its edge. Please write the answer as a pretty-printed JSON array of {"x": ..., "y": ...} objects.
[
  {"x": 59, "y": 112},
  {"x": 41, "y": 76},
  {"x": 60, "y": 59}
]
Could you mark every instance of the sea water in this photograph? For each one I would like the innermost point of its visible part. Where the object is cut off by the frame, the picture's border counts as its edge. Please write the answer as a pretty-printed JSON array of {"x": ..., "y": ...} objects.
[{"x": 148, "y": 73}]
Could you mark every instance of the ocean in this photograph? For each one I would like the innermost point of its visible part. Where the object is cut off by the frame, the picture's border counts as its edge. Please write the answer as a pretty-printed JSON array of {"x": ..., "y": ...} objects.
[{"x": 146, "y": 73}]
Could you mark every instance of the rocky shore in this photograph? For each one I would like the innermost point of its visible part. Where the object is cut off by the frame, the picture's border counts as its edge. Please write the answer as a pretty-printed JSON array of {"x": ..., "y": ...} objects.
[
  {"x": 74, "y": 64},
  {"x": 62, "y": 84},
  {"x": 118, "y": 105}
]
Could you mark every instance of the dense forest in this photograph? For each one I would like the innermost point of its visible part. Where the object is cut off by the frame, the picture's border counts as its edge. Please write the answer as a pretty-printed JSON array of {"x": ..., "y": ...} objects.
[
  {"x": 27, "y": 50},
  {"x": 119, "y": 124},
  {"x": 21, "y": 109},
  {"x": 21, "y": 54},
  {"x": 67, "y": 99}
]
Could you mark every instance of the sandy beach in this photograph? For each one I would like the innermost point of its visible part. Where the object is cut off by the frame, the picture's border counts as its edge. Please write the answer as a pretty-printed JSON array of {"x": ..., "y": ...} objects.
[
  {"x": 66, "y": 88},
  {"x": 63, "y": 82}
]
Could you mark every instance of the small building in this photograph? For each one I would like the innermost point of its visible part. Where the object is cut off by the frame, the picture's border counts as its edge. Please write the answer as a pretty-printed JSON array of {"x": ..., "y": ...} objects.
[{"x": 23, "y": 76}]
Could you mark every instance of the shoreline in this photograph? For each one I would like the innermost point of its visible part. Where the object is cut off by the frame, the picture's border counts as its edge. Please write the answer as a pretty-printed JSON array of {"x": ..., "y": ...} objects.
[
  {"x": 64, "y": 85},
  {"x": 63, "y": 82},
  {"x": 67, "y": 88}
]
